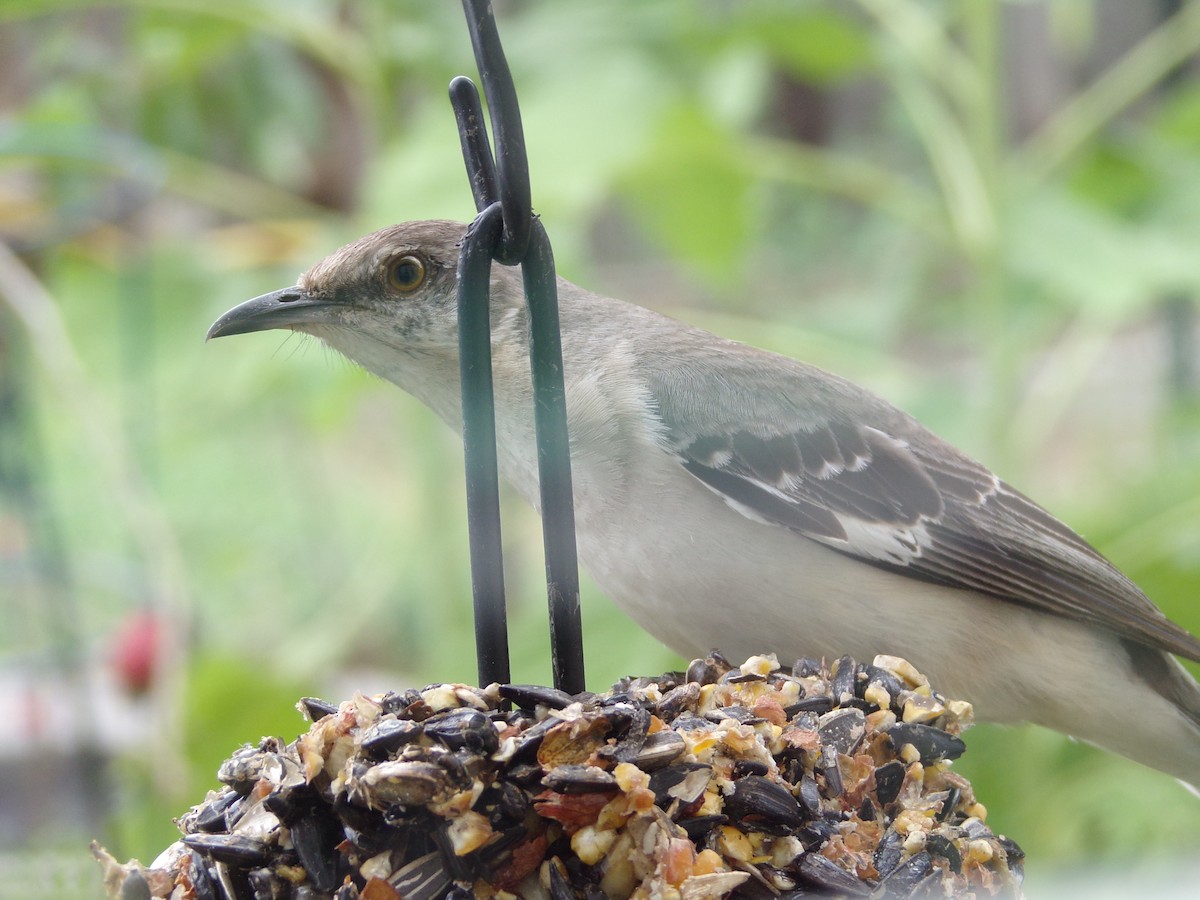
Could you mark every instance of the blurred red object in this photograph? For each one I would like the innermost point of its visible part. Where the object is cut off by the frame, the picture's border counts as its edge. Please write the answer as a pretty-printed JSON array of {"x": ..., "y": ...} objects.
[{"x": 136, "y": 648}]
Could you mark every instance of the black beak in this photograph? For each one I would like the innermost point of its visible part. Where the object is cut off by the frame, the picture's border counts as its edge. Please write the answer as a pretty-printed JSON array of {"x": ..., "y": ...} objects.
[{"x": 278, "y": 309}]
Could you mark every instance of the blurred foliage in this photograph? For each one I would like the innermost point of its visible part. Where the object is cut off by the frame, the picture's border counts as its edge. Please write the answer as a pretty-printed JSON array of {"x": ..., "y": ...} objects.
[{"x": 856, "y": 184}]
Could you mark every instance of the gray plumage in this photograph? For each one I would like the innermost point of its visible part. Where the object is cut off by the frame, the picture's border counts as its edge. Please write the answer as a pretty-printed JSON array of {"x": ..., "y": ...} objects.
[{"x": 731, "y": 497}]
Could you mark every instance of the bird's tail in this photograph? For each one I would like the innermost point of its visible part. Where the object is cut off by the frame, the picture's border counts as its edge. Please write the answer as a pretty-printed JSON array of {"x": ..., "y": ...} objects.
[{"x": 1173, "y": 683}]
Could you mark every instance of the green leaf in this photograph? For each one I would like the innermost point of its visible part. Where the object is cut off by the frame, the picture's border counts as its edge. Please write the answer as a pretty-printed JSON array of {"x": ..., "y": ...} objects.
[
  {"x": 1094, "y": 261},
  {"x": 1114, "y": 177},
  {"x": 691, "y": 195},
  {"x": 1179, "y": 117}
]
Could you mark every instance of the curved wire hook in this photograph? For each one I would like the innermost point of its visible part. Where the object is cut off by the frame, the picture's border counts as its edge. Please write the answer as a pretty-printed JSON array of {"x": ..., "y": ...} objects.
[
  {"x": 505, "y": 231},
  {"x": 510, "y": 179},
  {"x": 477, "y": 152}
]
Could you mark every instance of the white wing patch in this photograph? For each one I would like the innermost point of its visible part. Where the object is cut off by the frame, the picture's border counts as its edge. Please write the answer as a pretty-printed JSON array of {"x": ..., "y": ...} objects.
[
  {"x": 880, "y": 541},
  {"x": 885, "y": 542}
]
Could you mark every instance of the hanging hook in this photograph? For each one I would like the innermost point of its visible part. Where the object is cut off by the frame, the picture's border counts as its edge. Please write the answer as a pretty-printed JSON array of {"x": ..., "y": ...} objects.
[
  {"x": 512, "y": 164},
  {"x": 506, "y": 231}
]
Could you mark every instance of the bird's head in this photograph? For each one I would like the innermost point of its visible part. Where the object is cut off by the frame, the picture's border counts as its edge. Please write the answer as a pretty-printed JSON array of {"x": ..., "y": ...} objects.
[{"x": 390, "y": 293}]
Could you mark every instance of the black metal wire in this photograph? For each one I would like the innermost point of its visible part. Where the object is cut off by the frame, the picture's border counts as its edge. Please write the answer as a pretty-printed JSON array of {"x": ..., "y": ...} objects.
[
  {"x": 479, "y": 445},
  {"x": 507, "y": 232},
  {"x": 512, "y": 165},
  {"x": 477, "y": 152},
  {"x": 554, "y": 463}
]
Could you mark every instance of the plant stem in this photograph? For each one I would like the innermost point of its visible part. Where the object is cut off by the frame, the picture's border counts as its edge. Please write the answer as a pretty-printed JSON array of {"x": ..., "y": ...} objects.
[
  {"x": 1137, "y": 72},
  {"x": 983, "y": 124}
]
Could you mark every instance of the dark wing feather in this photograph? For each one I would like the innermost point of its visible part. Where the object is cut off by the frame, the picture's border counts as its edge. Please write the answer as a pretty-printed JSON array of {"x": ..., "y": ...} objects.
[{"x": 923, "y": 509}]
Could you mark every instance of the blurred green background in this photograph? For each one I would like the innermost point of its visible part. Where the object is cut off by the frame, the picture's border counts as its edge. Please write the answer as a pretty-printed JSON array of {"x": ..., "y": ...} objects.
[{"x": 987, "y": 212}]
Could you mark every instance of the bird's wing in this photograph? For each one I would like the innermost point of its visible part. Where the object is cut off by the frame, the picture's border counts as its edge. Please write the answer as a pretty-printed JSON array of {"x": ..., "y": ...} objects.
[{"x": 828, "y": 460}]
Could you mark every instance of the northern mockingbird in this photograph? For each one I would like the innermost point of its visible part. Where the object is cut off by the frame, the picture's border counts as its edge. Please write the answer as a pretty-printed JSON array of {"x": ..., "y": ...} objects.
[{"x": 730, "y": 497}]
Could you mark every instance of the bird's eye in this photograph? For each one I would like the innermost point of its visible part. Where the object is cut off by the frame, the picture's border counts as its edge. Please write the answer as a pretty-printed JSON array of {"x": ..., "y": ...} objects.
[{"x": 406, "y": 274}]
